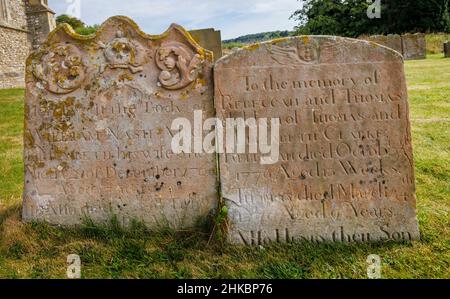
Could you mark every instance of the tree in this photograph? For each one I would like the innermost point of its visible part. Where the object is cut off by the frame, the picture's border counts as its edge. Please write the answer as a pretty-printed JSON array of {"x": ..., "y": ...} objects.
[
  {"x": 349, "y": 17},
  {"x": 86, "y": 30},
  {"x": 72, "y": 21},
  {"x": 77, "y": 25}
]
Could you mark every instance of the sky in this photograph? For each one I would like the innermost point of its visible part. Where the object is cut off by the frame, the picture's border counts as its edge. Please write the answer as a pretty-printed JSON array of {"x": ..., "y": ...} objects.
[{"x": 233, "y": 17}]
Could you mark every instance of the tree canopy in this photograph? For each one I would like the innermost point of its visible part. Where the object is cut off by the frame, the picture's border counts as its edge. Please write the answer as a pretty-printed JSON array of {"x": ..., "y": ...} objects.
[
  {"x": 257, "y": 37},
  {"x": 349, "y": 17},
  {"x": 77, "y": 25}
]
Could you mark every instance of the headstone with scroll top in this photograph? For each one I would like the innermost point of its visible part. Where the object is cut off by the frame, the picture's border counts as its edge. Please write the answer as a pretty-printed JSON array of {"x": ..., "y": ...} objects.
[{"x": 98, "y": 128}]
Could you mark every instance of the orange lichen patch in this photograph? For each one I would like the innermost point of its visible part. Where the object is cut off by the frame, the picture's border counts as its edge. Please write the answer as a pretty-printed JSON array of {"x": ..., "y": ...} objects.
[
  {"x": 50, "y": 171},
  {"x": 28, "y": 138},
  {"x": 63, "y": 109},
  {"x": 125, "y": 77},
  {"x": 64, "y": 165},
  {"x": 200, "y": 82},
  {"x": 279, "y": 40},
  {"x": 39, "y": 165},
  {"x": 252, "y": 47},
  {"x": 184, "y": 95},
  {"x": 305, "y": 39}
]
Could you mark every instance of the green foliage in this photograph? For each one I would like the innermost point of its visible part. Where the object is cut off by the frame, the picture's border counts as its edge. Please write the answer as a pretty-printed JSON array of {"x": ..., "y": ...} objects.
[
  {"x": 77, "y": 25},
  {"x": 220, "y": 223},
  {"x": 87, "y": 30},
  {"x": 349, "y": 17},
  {"x": 232, "y": 45},
  {"x": 72, "y": 21},
  {"x": 254, "y": 38},
  {"x": 435, "y": 42}
]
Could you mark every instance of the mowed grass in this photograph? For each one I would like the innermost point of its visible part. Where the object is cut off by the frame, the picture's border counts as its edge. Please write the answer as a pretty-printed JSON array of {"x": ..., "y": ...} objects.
[{"x": 40, "y": 250}]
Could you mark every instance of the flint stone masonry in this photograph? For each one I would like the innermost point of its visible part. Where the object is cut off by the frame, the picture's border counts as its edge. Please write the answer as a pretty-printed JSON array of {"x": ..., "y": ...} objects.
[
  {"x": 345, "y": 169},
  {"x": 24, "y": 24},
  {"x": 98, "y": 128},
  {"x": 210, "y": 39},
  {"x": 14, "y": 49},
  {"x": 447, "y": 49}
]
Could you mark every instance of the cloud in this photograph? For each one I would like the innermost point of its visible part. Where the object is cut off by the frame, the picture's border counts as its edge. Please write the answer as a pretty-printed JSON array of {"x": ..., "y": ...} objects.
[{"x": 232, "y": 17}]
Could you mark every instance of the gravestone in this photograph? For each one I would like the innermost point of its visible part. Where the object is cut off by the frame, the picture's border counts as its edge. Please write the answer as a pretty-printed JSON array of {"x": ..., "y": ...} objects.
[
  {"x": 209, "y": 39},
  {"x": 414, "y": 46},
  {"x": 393, "y": 41},
  {"x": 345, "y": 167},
  {"x": 98, "y": 128},
  {"x": 447, "y": 49}
]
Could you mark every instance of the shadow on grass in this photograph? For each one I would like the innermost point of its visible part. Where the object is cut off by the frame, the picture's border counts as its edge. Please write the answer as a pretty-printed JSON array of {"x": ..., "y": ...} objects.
[
  {"x": 304, "y": 259},
  {"x": 8, "y": 212},
  {"x": 112, "y": 251}
]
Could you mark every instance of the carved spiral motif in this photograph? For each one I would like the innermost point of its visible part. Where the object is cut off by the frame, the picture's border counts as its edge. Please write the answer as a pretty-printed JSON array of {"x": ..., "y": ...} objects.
[
  {"x": 179, "y": 65},
  {"x": 61, "y": 69}
]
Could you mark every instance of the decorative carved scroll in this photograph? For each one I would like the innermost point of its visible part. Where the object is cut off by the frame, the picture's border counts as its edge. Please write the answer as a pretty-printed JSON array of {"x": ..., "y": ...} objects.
[{"x": 179, "y": 65}]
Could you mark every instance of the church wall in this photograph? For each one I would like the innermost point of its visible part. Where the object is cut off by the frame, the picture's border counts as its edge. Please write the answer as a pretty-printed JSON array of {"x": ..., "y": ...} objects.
[
  {"x": 14, "y": 49},
  {"x": 15, "y": 43}
]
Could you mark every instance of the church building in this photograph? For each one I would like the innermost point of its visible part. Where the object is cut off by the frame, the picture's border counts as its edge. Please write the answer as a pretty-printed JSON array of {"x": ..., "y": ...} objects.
[{"x": 24, "y": 25}]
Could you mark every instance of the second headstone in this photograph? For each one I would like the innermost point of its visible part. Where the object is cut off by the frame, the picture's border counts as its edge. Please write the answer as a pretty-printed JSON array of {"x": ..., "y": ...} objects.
[{"x": 344, "y": 171}]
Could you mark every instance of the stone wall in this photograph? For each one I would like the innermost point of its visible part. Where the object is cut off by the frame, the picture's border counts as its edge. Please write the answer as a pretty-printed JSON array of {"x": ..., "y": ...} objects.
[
  {"x": 411, "y": 46},
  {"x": 14, "y": 49},
  {"x": 16, "y": 12},
  {"x": 23, "y": 24},
  {"x": 41, "y": 21},
  {"x": 15, "y": 43}
]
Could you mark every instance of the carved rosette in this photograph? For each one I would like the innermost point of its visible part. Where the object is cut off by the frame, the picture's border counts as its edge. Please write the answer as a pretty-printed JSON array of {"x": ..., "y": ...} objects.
[
  {"x": 124, "y": 53},
  {"x": 61, "y": 69},
  {"x": 179, "y": 65}
]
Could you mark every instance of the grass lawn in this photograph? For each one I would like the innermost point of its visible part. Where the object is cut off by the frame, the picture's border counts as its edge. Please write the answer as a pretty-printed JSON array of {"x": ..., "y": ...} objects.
[{"x": 40, "y": 250}]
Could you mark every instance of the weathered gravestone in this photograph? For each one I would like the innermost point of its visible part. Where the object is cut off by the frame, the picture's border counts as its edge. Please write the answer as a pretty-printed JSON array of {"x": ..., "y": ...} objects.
[
  {"x": 393, "y": 41},
  {"x": 98, "y": 127},
  {"x": 345, "y": 167},
  {"x": 414, "y": 46},
  {"x": 209, "y": 39},
  {"x": 447, "y": 49}
]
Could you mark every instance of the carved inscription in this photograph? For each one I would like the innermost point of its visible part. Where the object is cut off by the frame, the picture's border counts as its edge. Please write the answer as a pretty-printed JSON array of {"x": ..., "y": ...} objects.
[
  {"x": 345, "y": 170},
  {"x": 98, "y": 128}
]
